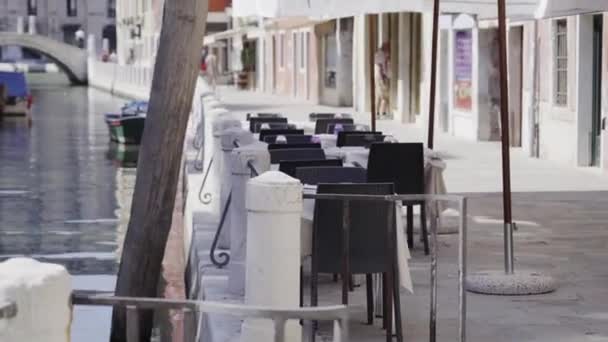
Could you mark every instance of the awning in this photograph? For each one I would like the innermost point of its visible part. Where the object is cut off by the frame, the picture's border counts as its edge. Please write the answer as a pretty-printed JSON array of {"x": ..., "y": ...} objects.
[
  {"x": 213, "y": 39},
  {"x": 484, "y": 9}
]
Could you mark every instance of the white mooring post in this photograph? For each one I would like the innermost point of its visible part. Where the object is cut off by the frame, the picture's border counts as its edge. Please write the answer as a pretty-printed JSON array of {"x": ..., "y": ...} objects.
[
  {"x": 41, "y": 293},
  {"x": 20, "y": 25},
  {"x": 274, "y": 209},
  {"x": 31, "y": 24},
  {"x": 242, "y": 159}
]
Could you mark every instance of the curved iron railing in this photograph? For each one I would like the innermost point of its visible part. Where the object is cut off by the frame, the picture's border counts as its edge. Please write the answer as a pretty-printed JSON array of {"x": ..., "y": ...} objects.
[
  {"x": 193, "y": 309},
  {"x": 212, "y": 253},
  {"x": 207, "y": 197}
]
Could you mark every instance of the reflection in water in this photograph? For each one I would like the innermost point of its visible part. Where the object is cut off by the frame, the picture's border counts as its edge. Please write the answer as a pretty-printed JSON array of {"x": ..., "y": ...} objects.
[
  {"x": 61, "y": 199},
  {"x": 123, "y": 155}
]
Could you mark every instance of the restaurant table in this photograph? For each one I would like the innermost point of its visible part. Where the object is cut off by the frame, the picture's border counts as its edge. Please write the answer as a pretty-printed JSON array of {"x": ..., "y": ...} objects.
[{"x": 403, "y": 253}]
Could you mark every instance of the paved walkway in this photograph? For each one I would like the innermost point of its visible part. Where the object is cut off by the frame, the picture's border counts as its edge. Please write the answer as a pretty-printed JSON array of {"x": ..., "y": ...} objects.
[
  {"x": 563, "y": 231},
  {"x": 462, "y": 156}
]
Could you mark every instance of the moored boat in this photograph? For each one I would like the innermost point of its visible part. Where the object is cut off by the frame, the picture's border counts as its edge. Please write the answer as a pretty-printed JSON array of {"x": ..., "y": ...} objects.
[
  {"x": 127, "y": 127},
  {"x": 17, "y": 98}
]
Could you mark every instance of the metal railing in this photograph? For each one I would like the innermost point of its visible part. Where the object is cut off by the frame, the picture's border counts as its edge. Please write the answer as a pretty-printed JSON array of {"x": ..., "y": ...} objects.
[
  {"x": 434, "y": 200},
  {"x": 193, "y": 309},
  {"x": 8, "y": 310}
]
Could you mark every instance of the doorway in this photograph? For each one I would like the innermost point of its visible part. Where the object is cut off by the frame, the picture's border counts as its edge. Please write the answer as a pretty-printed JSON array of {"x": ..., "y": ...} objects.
[{"x": 596, "y": 109}]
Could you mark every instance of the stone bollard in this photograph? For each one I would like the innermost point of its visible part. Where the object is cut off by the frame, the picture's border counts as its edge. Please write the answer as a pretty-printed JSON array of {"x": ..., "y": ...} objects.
[
  {"x": 42, "y": 294},
  {"x": 256, "y": 154},
  {"x": 20, "y": 25},
  {"x": 274, "y": 209},
  {"x": 227, "y": 138},
  {"x": 208, "y": 152},
  {"x": 31, "y": 24},
  {"x": 91, "y": 48},
  {"x": 221, "y": 123}
]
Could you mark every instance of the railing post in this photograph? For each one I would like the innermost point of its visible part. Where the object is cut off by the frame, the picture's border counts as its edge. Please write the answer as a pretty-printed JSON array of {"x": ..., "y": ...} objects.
[
  {"x": 258, "y": 155},
  {"x": 31, "y": 24},
  {"x": 132, "y": 324},
  {"x": 91, "y": 48},
  {"x": 227, "y": 139},
  {"x": 220, "y": 123},
  {"x": 20, "y": 25},
  {"x": 274, "y": 208},
  {"x": 42, "y": 293}
]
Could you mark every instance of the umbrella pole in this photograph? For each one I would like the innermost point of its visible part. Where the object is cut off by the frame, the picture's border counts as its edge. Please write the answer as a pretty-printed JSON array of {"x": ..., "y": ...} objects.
[
  {"x": 372, "y": 89},
  {"x": 432, "y": 93},
  {"x": 508, "y": 282},
  {"x": 504, "y": 119}
]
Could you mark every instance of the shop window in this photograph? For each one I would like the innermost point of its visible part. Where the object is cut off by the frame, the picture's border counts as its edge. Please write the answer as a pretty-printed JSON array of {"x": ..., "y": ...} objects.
[
  {"x": 72, "y": 8},
  {"x": 560, "y": 62}
]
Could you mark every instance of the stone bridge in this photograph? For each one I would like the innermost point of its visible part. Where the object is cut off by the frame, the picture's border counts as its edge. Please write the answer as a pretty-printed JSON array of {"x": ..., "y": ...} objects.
[{"x": 70, "y": 59}]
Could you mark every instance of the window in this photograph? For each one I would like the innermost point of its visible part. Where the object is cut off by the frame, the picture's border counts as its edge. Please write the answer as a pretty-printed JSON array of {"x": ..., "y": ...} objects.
[
  {"x": 560, "y": 75},
  {"x": 282, "y": 50},
  {"x": 72, "y": 8},
  {"x": 32, "y": 7},
  {"x": 303, "y": 49},
  {"x": 331, "y": 56},
  {"x": 111, "y": 8}
]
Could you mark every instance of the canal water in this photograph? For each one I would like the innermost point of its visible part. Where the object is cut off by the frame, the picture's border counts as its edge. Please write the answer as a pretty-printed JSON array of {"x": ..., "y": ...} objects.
[{"x": 65, "y": 190}]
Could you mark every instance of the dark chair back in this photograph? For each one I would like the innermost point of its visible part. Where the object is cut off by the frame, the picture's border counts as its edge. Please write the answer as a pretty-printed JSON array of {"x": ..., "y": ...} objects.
[
  {"x": 266, "y": 132},
  {"x": 317, "y": 116},
  {"x": 400, "y": 163},
  {"x": 278, "y": 156},
  {"x": 291, "y": 138},
  {"x": 362, "y": 137},
  {"x": 255, "y": 123},
  {"x": 292, "y": 146},
  {"x": 331, "y": 128},
  {"x": 331, "y": 174},
  {"x": 263, "y": 115},
  {"x": 371, "y": 233},
  {"x": 289, "y": 167},
  {"x": 322, "y": 124}
]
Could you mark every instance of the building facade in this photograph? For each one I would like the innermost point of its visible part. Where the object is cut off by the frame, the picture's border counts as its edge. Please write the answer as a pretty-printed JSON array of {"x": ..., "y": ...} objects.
[
  {"x": 557, "y": 71},
  {"x": 61, "y": 19}
]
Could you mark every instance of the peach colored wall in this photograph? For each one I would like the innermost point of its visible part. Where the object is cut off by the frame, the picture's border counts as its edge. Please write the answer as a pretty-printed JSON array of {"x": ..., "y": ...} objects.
[{"x": 283, "y": 83}]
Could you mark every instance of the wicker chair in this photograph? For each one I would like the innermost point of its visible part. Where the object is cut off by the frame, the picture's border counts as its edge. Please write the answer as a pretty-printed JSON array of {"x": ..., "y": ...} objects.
[
  {"x": 292, "y": 146},
  {"x": 367, "y": 247},
  {"x": 289, "y": 167},
  {"x": 327, "y": 174},
  {"x": 291, "y": 138},
  {"x": 278, "y": 156},
  {"x": 263, "y": 115},
  {"x": 322, "y": 124},
  {"x": 266, "y": 132},
  {"x": 316, "y": 116},
  {"x": 331, "y": 128},
  {"x": 256, "y": 123},
  {"x": 363, "y": 139},
  {"x": 403, "y": 165}
]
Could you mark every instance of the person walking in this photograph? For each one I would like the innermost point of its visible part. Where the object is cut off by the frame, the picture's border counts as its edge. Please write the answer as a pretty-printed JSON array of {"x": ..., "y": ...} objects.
[
  {"x": 382, "y": 80},
  {"x": 212, "y": 69}
]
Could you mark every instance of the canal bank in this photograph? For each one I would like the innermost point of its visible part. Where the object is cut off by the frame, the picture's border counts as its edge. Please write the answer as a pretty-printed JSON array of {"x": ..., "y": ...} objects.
[{"x": 64, "y": 196}]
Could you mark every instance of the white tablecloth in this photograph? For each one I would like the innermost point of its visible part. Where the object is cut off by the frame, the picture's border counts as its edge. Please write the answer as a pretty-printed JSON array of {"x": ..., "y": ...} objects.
[{"x": 403, "y": 252}]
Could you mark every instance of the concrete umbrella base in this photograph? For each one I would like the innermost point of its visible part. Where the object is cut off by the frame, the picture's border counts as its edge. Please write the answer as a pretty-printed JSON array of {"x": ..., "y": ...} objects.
[{"x": 520, "y": 283}]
